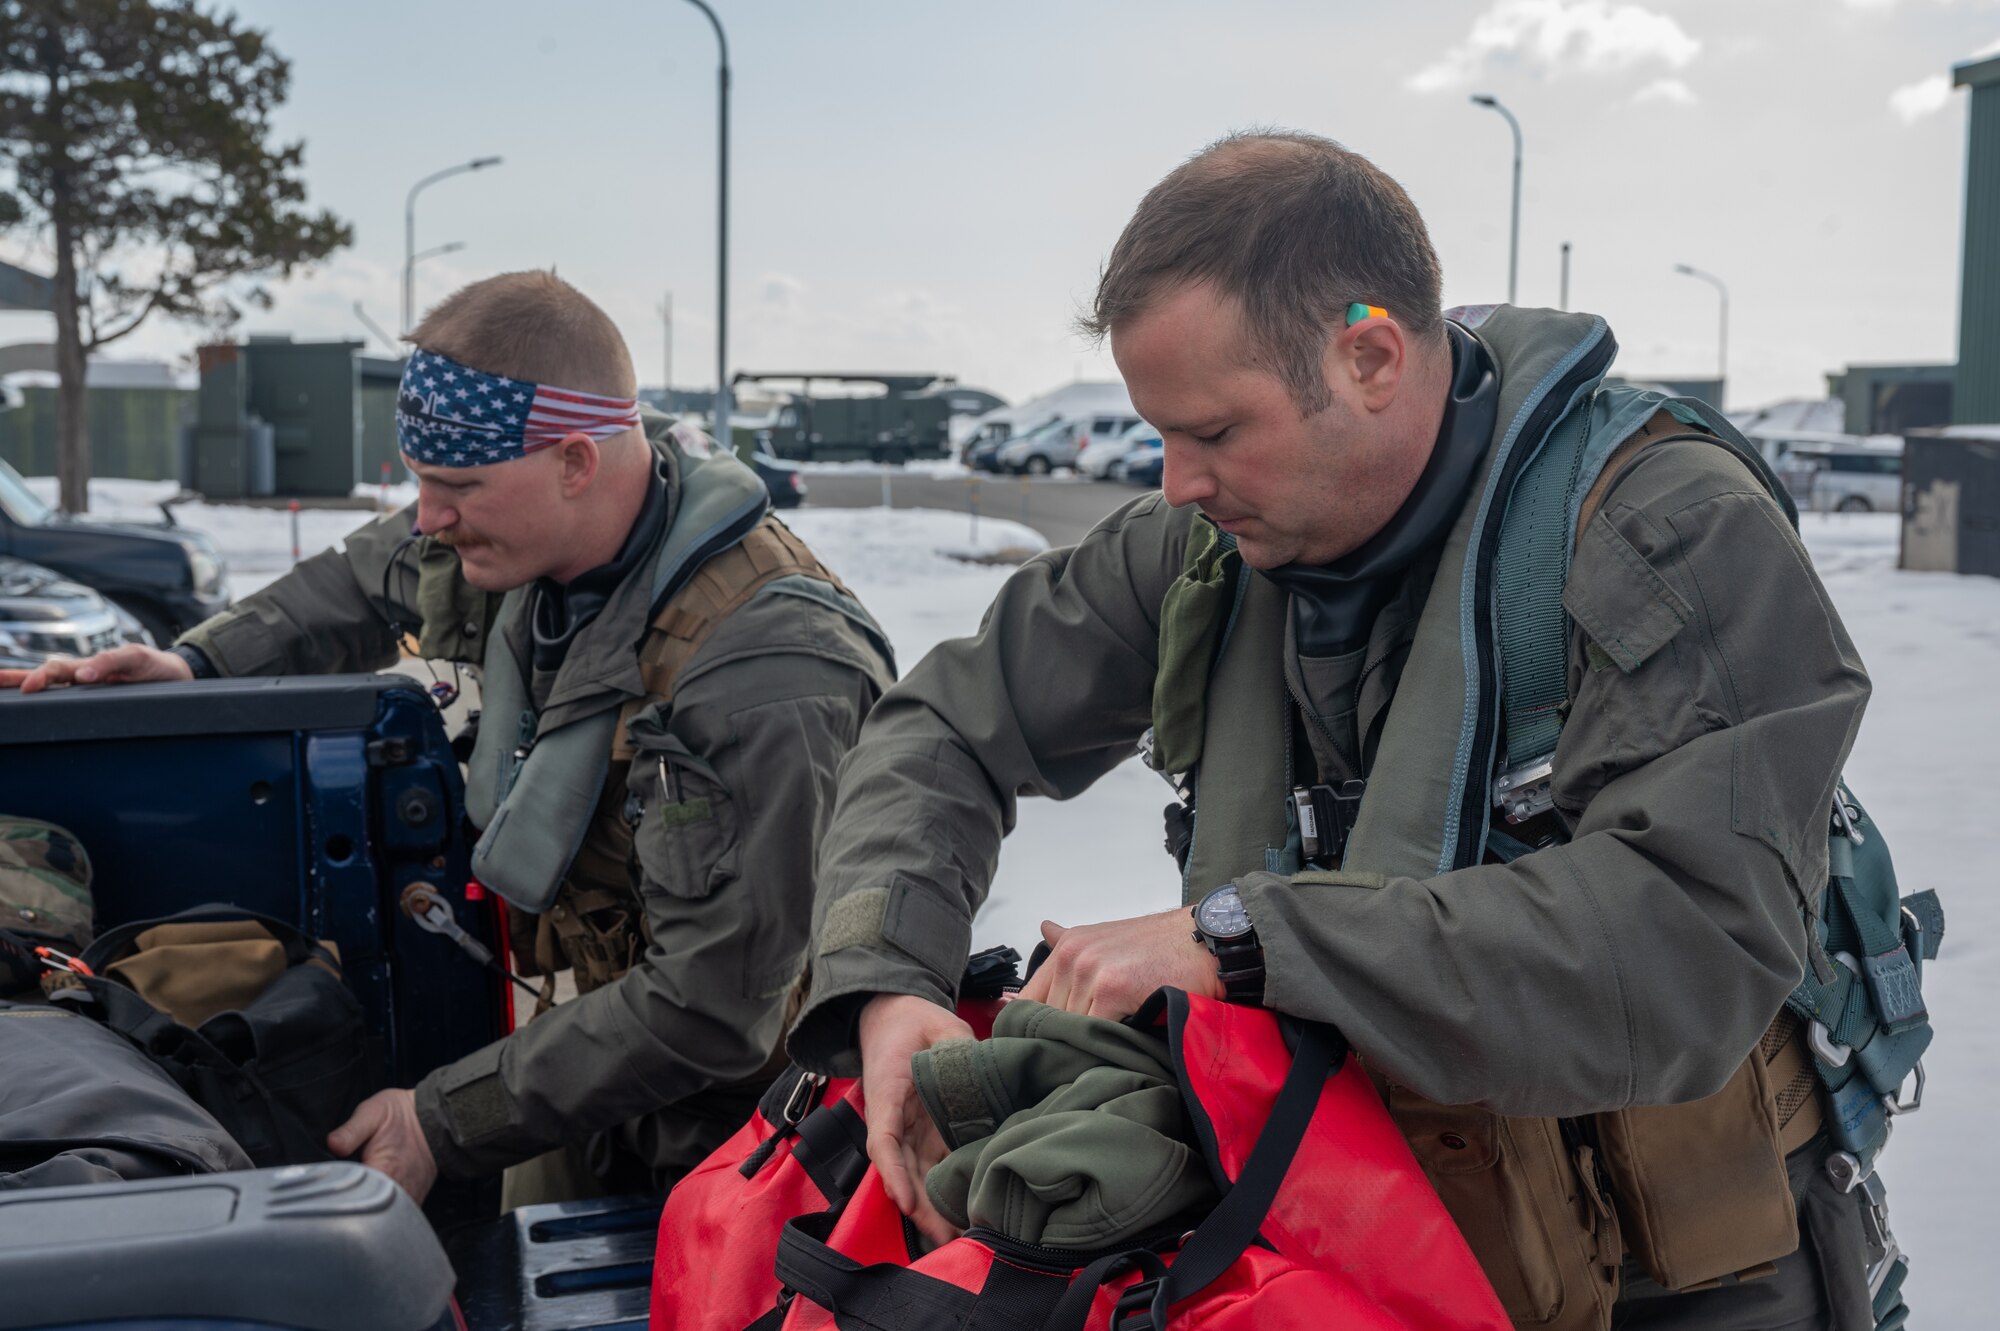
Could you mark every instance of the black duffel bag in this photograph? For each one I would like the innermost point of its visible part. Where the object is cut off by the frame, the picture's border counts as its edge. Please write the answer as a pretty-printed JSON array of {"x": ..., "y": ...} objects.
[
  {"x": 80, "y": 1105},
  {"x": 246, "y": 1013}
]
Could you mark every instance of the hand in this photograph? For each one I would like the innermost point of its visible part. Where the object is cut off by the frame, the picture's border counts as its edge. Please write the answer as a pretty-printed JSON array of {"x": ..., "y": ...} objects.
[
  {"x": 385, "y": 1132},
  {"x": 1108, "y": 970},
  {"x": 903, "y": 1143},
  {"x": 134, "y": 663}
]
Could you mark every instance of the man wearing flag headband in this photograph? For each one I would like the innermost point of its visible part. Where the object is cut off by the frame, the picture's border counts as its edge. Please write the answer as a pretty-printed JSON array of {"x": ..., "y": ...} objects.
[{"x": 601, "y": 582}]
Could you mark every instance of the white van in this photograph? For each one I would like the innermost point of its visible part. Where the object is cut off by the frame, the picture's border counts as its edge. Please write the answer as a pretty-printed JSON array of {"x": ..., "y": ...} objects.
[{"x": 1845, "y": 478}]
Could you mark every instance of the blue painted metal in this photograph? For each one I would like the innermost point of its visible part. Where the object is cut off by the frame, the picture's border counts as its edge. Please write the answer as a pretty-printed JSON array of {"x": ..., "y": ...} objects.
[{"x": 272, "y": 810}]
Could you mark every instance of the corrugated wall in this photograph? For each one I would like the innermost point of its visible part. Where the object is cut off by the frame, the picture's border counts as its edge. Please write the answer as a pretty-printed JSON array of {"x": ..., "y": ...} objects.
[
  {"x": 133, "y": 432},
  {"x": 1976, "y": 395}
]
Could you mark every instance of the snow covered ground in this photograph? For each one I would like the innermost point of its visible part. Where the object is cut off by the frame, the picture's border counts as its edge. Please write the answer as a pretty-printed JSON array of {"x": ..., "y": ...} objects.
[{"x": 1927, "y": 765}]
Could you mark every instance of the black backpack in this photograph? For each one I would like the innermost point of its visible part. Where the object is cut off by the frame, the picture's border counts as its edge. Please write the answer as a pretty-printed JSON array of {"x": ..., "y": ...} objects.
[{"x": 281, "y": 1071}]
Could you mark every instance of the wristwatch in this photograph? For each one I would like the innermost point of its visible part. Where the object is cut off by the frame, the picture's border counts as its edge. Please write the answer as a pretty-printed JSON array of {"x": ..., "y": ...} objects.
[{"x": 1222, "y": 925}]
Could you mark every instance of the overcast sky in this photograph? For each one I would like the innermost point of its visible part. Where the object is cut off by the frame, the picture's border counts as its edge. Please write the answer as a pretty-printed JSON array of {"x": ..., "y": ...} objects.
[{"x": 932, "y": 184}]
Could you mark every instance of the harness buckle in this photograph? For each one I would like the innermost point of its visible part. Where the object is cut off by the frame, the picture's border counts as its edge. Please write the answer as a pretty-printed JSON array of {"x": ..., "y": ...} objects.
[
  {"x": 1896, "y": 1104},
  {"x": 1824, "y": 1047},
  {"x": 1844, "y": 1168},
  {"x": 801, "y": 1100},
  {"x": 1844, "y": 818},
  {"x": 1526, "y": 791}
]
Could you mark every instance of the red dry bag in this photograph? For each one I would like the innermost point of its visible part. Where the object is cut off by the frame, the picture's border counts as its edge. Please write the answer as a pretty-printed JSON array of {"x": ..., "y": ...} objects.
[{"x": 1325, "y": 1220}]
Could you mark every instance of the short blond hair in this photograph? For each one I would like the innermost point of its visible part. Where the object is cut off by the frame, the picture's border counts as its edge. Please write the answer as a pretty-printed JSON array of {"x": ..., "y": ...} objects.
[{"x": 532, "y": 326}]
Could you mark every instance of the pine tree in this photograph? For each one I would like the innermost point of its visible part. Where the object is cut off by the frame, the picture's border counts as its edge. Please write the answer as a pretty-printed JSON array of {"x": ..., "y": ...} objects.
[{"x": 138, "y": 141}]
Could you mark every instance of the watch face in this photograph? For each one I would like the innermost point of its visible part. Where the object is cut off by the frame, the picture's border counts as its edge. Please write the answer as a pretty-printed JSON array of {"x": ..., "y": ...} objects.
[{"x": 1222, "y": 915}]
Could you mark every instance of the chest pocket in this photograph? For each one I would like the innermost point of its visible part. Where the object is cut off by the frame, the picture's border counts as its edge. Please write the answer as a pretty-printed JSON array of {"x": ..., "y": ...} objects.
[{"x": 684, "y": 820}]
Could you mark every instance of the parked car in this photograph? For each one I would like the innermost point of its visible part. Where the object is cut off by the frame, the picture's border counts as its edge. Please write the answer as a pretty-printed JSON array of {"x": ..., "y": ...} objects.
[
  {"x": 983, "y": 454},
  {"x": 1099, "y": 455},
  {"x": 1847, "y": 479},
  {"x": 167, "y": 577},
  {"x": 1060, "y": 443},
  {"x": 784, "y": 480},
  {"x": 1142, "y": 464},
  {"x": 43, "y": 614},
  {"x": 1040, "y": 450}
]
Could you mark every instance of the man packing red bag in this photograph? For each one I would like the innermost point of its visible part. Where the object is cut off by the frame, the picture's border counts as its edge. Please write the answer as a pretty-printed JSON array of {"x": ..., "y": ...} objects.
[{"x": 1323, "y": 1216}]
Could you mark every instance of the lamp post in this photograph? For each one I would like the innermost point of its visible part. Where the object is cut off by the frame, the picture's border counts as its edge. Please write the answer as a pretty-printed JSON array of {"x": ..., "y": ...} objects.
[
  {"x": 449, "y": 247},
  {"x": 1722, "y": 331},
  {"x": 722, "y": 386},
  {"x": 410, "y": 230},
  {"x": 1491, "y": 102}
]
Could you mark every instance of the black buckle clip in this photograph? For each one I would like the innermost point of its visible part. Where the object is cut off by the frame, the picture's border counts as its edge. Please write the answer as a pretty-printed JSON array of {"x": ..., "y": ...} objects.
[
  {"x": 1326, "y": 817},
  {"x": 1134, "y": 1309}
]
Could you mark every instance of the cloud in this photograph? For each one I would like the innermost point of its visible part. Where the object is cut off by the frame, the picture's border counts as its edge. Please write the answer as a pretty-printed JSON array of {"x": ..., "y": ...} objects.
[
  {"x": 1560, "y": 37},
  {"x": 1927, "y": 96},
  {"x": 781, "y": 290},
  {"x": 1672, "y": 92}
]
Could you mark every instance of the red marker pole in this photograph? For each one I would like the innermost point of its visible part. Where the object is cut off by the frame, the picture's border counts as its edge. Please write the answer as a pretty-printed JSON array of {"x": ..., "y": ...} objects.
[
  {"x": 384, "y": 505},
  {"x": 294, "y": 506}
]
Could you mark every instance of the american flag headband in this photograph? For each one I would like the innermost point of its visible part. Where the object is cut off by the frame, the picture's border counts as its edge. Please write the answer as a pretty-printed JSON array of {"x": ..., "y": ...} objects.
[{"x": 451, "y": 415}]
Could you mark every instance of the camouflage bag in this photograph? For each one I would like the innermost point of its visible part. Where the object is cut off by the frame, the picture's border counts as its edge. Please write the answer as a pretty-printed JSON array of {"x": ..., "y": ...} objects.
[{"x": 44, "y": 898}]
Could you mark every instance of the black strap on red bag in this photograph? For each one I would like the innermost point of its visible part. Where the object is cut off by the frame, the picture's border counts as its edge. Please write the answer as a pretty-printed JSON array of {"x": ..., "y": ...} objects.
[
  {"x": 888, "y": 1297},
  {"x": 1232, "y": 1226}
]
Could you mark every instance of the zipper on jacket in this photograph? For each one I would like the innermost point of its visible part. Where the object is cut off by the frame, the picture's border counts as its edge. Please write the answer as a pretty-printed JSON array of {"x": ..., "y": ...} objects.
[{"x": 1474, "y": 802}]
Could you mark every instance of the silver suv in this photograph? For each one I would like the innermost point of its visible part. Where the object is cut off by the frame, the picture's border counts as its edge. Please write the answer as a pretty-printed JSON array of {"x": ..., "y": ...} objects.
[
  {"x": 43, "y": 614},
  {"x": 1058, "y": 443}
]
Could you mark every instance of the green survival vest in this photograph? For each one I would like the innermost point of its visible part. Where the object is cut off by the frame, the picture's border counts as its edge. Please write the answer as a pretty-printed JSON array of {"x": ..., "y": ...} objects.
[
  {"x": 1479, "y": 709},
  {"x": 534, "y": 788}
]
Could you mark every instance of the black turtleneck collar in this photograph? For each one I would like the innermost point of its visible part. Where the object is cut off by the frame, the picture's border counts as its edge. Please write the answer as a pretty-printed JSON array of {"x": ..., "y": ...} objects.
[
  {"x": 1334, "y": 605},
  {"x": 561, "y": 610}
]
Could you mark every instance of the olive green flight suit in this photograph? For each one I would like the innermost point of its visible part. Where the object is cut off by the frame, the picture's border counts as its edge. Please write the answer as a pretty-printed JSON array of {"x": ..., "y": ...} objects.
[
  {"x": 1636, "y": 965},
  {"x": 670, "y": 1054}
]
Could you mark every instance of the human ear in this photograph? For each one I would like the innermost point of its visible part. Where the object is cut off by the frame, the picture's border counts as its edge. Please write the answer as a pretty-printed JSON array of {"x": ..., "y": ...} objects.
[
  {"x": 1372, "y": 356},
  {"x": 577, "y": 458}
]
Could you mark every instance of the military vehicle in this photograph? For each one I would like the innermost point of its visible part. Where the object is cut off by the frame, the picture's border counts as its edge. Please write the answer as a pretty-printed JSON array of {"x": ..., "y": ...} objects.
[{"x": 909, "y": 419}]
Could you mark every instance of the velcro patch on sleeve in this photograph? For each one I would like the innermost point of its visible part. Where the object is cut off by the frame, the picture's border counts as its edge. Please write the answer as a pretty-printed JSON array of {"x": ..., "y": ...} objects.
[
  {"x": 907, "y": 916},
  {"x": 854, "y": 920},
  {"x": 968, "y": 1115},
  {"x": 916, "y": 922},
  {"x": 476, "y": 1099}
]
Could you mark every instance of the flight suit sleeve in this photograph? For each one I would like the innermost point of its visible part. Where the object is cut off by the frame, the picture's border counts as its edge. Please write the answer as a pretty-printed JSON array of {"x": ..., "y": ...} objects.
[
  {"x": 731, "y": 799},
  {"x": 333, "y": 612},
  {"x": 1051, "y": 693},
  {"x": 1715, "y": 695}
]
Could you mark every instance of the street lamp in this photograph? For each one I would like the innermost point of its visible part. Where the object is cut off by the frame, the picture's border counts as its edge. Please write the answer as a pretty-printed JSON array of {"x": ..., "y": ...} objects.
[
  {"x": 1491, "y": 102},
  {"x": 722, "y": 387},
  {"x": 1722, "y": 333},
  {"x": 410, "y": 230},
  {"x": 449, "y": 247}
]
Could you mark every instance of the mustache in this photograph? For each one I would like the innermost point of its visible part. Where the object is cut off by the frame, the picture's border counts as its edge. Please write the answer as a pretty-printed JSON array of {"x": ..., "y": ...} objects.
[{"x": 453, "y": 539}]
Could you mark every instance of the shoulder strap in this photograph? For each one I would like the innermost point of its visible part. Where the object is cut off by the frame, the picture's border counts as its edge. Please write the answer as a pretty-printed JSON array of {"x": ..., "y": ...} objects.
[
  {"x": 722, "y": 585},
  {"x": 1533, "y": 628}
]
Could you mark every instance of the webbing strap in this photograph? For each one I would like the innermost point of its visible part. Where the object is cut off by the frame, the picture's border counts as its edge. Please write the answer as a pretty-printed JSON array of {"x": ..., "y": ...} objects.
[
  {"x": 1529, "y": 572},
  {"x": 833, "y": 1150},
  {"x": 880, "y": 1297},
  {"x": 723, "y": 584},
  {"x": 1232, "y": 1226}
]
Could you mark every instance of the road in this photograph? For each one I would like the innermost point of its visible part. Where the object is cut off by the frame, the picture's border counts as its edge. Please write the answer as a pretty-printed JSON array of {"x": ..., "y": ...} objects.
[{"x": 1060, "y": 508}]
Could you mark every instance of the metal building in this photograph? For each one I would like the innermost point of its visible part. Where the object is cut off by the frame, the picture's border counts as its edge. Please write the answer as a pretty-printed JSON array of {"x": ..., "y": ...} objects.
[
  {"x": 1951, "y": 501},
  {"x": 1976, "y": 395}
]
